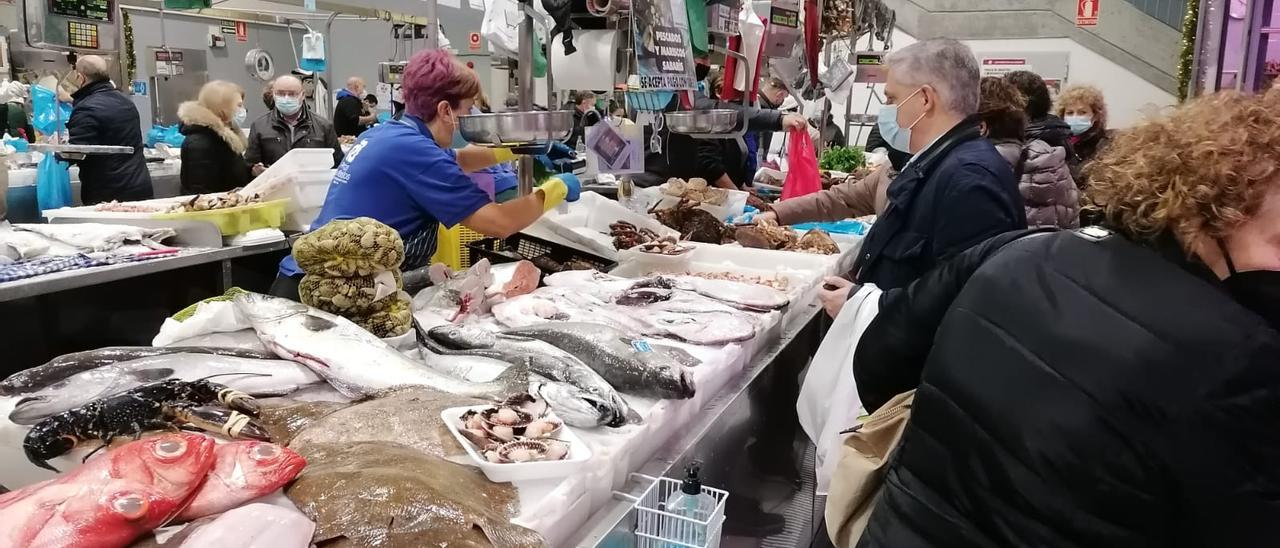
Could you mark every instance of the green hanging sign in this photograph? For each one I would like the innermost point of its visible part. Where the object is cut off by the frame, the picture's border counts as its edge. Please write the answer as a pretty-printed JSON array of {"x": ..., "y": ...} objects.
[{"x": 188, "y": 4}]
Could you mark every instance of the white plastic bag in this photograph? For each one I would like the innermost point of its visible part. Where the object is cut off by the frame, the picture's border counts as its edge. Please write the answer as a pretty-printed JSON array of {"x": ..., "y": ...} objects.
[
  {"x": 829, "y": 399},
  {"x": 214, "y": 316},
  {"x": 501, "y": 26}
]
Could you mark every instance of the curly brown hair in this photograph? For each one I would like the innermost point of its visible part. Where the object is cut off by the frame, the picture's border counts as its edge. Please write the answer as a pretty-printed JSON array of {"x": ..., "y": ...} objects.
[
  {"x": 1002, "y": 107},
  {"x": 1198, "y": 172},
  {"x": 1088, "y": 96}
]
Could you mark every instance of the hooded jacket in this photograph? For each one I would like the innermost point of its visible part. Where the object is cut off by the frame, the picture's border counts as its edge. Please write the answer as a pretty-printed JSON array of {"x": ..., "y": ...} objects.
[
  {"x": 1049, "y": 195},
  {"x": 1052, "y": 130},
  {"x": 212, "y": 154},
  {"x": 1075, "y": 391},
  {"x": 346, "y": 114},
  {"x": 101, "y": 115}
]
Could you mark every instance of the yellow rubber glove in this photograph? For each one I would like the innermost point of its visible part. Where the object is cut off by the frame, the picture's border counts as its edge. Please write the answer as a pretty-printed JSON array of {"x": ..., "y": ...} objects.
[
  {"x": 554, "y": 192},
  {"x": 503, "y": 155}
]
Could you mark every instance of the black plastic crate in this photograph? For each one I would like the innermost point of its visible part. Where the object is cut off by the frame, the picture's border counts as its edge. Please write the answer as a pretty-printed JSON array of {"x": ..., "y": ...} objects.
[{"x": 530, "y": 248}]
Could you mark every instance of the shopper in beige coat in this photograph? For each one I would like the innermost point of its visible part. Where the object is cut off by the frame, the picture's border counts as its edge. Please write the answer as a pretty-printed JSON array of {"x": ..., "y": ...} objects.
[{"x": 866, "y": 196}]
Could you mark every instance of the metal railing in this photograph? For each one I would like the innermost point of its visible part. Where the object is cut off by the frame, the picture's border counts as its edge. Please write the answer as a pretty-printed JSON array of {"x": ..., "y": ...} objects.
[{"x": 1169, "y": 12}]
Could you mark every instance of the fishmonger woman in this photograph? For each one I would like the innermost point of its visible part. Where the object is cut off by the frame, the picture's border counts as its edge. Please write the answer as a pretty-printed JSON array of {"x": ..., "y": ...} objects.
[{"x": 404, "y": 174}]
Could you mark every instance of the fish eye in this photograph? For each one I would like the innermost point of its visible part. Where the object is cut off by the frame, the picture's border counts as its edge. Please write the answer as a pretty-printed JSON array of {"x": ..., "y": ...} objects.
[
  {"x": 264, "y": 451},
  {"x": 130, "y": 506},
  {"x": 169, "y": 448}
]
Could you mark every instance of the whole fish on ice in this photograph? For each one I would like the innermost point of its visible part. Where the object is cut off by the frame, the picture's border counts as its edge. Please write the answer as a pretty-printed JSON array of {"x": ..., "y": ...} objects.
[
  {"x": 112, "y": 499},
  {"x": 254, "y": 525},
  {"x": 629, "y": 364},
  {"x": 242, "y": 471},
  {"x": 548, "y": 361},
  {"x": 256, "y": 377},
  {"x": 409, "y": 416},
  {"x": 354, "y": 361},
  {"x": 607, "y": 287},
  {"x": 64, "y": 366}
]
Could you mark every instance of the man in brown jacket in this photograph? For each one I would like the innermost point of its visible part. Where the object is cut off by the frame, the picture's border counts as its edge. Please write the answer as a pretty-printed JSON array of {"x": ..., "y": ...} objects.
[{"x": 866, "y": 196}]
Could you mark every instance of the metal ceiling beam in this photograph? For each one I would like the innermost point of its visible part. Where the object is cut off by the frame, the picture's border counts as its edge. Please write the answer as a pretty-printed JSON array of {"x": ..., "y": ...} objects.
[{"x": 321, "y": 6}]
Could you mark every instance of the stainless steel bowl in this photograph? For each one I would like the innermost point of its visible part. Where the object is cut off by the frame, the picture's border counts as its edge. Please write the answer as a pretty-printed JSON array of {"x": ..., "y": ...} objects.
[
  {"x": 513, "y": 129},
  {"x": 701, "y": 122}
]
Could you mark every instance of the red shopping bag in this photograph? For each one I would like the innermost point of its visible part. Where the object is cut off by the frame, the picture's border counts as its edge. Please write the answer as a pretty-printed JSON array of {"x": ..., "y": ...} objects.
[{"x": 802, "y": 166}]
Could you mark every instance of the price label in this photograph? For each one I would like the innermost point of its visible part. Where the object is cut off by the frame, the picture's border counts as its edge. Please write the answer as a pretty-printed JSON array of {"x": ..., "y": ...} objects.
[{"x": 641, "y": 346}]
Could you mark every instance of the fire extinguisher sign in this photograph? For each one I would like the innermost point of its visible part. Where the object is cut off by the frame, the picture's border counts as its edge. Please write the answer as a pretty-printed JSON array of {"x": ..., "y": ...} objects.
[{"x": 1087, "y": 13}]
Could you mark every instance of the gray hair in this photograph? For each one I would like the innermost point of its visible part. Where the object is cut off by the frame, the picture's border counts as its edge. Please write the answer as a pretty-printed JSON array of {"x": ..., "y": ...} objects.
[{"x": 945, "y": 64}]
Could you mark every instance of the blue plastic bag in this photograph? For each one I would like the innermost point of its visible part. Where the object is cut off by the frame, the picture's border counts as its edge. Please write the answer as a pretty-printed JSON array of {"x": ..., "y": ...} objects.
[
  {"x": 44, "y": 106},
  {"x": 53, "y": 183}
]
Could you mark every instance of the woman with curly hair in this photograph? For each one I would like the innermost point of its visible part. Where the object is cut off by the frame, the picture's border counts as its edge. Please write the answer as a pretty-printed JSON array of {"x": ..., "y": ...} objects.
[
  {"x": 1111, "y": 386},
  {"x": 1049, "y": 194},
  {"x": 1084, "y": 109}
]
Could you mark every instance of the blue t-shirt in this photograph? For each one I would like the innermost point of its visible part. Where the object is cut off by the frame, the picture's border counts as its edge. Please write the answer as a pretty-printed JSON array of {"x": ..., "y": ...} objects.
[{"x": 398, "y": 175}]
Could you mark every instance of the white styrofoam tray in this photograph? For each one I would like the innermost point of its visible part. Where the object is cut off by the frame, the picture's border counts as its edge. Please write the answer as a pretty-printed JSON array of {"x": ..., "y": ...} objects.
[
  {"x": 585, "y": 224},
  {"x": 578, "y": 452}
]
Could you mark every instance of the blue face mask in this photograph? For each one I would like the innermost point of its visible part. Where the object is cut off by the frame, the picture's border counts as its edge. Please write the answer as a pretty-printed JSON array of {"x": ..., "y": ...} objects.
[
  {"x": 288, "y": 106},
  {"x": 1079, "y": 124},
  {"x": 898, "y": 137},
  {"x": 241, "y": 117}
]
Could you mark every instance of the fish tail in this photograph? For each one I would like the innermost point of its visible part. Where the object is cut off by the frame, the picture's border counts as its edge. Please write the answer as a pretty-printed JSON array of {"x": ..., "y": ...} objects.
[{"x": 515, "y": 380}]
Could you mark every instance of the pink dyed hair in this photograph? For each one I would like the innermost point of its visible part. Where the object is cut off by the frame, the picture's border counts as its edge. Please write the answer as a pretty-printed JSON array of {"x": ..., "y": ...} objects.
[{"x": 433, "y": 76}]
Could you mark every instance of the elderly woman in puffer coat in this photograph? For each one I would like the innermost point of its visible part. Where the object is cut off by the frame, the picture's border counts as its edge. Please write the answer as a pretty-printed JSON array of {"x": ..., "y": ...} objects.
[{"x": 1048, "y": 191}]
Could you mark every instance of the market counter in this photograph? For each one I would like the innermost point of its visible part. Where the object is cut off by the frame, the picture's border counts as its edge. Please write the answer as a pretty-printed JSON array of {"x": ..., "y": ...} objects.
[{"x": 21, "y": 197}]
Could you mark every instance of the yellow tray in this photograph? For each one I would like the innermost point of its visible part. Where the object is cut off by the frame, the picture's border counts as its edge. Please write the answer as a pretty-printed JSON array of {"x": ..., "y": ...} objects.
[{"x": 237, "y": 220}]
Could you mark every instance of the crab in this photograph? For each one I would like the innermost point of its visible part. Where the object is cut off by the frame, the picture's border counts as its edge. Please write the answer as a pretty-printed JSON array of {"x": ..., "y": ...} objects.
[
  {"x": 694, "y": 224},
  {"x": 766, "y": 235}
]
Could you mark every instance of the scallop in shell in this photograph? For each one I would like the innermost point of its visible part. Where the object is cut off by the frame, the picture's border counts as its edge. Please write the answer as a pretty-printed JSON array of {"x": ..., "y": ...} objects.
[{"x": 522, "y": 451}]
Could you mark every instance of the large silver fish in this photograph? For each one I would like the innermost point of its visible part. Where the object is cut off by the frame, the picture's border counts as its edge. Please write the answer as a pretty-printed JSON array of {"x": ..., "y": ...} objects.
[
  {"x": 67, "y": 365},
  {"x": 256, "y": 377},
  {"x": 546, "y": 360},
  {"x": 353, "y": 360},
  {"x": 630, "y": 365}
]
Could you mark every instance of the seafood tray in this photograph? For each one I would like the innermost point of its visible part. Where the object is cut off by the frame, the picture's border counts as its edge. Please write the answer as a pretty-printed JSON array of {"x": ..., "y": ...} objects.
[
  {"x": 532, "y": 248},
  {"x": 579, "y": 453}
]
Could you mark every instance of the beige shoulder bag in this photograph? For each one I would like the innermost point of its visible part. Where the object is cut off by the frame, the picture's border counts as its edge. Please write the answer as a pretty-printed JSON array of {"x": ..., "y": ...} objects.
[{"x": 859, "y": 474}]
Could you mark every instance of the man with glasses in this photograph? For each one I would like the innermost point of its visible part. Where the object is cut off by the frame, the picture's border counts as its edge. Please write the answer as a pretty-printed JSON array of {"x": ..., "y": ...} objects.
[{"x": 290, "y": 124}]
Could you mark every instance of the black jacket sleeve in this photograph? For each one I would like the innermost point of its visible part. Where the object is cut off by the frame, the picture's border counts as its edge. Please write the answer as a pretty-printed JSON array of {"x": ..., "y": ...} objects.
[
  {"x": 331, "y": 140},
  {"x": 83, "y": 128},
  {"x": 346, "y": 116},
  {"x": 203, "y": 170},
  {"x": 253, "y": 153},
  {"x": 891, "y": 353},
  {"x": 711, "y": 160}
]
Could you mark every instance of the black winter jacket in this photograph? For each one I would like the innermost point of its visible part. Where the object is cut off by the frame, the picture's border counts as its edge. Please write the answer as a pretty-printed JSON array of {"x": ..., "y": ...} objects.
[
  {"x": 101, "y": 115},
  {"x": 1076, "y": 392},
  {"x": 680, "y": 153},
  {"x": 955, "y": 194},
  {"x": 212, "y": 158},
  {"x": 347, "y": 113},
  {"x": 270, "y": 137}
]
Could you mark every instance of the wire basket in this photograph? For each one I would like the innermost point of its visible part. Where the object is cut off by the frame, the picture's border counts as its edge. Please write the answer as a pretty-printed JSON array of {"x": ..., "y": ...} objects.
[{"x": 656, "y": 528}]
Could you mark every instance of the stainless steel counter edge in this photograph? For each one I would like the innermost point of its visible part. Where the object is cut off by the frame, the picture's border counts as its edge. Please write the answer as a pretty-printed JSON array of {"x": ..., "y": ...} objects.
[
  {"x": 62, "y": 281},
  {"x": 610, "y": 516}
]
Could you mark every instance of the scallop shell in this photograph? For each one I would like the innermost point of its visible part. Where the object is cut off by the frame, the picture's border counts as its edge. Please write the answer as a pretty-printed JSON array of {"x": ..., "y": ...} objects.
[
  {"x": 536, "y": 447},
  {"x": 525, "y": 419}
]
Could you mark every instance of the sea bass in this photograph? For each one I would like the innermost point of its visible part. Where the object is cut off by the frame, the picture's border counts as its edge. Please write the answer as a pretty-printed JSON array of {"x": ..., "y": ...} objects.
[
  {"x": 256, "y": 377},
  {"x": 545, "y": 360},
  {"x": 112, "y": 499},
  {"x": 387, "y": 495},
  {"x": 629, "y": 364},
  {"x": 67, "y": 365},
  {"x": 353, "y": 360},
  {"x": 243, "y": 471}
]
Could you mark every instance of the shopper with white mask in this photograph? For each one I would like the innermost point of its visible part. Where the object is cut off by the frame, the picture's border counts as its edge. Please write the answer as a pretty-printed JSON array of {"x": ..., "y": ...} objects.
[
  {"x": 955, "y": 192},
  {"x": 212, "y": 152},
  {"x": 290, "y": 124}
]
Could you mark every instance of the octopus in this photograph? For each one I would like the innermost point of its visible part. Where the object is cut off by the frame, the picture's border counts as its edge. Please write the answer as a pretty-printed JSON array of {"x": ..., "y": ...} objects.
[
  {"x": 695, "y": 224},
  {"x": 626, "y": 235}
]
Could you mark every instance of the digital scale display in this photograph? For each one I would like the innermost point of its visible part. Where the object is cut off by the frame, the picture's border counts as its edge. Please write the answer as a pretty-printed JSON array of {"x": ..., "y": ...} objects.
[{"x": 96, "y": 10}]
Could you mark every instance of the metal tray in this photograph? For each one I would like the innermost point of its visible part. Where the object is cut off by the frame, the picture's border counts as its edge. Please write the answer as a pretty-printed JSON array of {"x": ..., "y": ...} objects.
[
  {"x": 516, "y": 129},
  {"x": 82, "y": 149},
  {"x": 702, "y": 122}
]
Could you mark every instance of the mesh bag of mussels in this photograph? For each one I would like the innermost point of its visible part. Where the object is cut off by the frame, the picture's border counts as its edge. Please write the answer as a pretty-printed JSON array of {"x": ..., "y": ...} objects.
[
  {"x": 394, "y": 321},
  {"x": 353, "y": 295},
  {"x": 356, "y": 247},
  {"x": 347, "y": 264}
]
